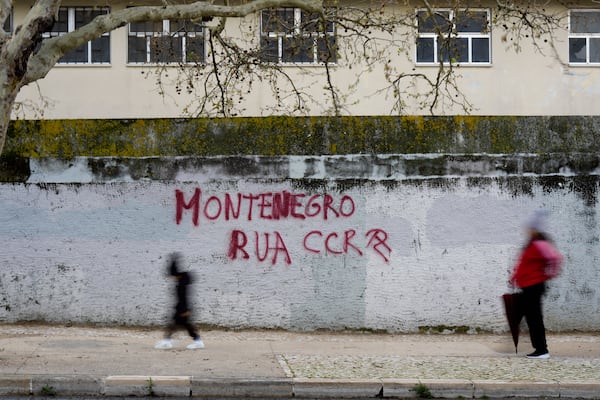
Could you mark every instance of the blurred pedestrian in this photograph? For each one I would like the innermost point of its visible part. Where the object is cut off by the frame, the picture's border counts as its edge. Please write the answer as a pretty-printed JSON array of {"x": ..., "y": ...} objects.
[
  {"x": 183, "y": 311},
  {"x": 539, "y": 261}
]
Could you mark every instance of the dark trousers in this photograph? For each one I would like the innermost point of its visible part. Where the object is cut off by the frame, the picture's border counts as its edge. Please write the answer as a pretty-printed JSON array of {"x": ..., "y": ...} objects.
[
  {"x": 181, "y": 321},
  {"x": 532, "y": 306}
]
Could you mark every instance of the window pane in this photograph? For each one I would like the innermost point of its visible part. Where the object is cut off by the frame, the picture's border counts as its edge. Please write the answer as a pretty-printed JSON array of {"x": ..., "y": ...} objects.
[
  {"x": 425, "y": 50},
  {"x": 577, "y": 50},
  {"x": 279, "y": 21},
  {"x": 312, "y": 23},
  {"x": 165, "y": 49},
  {"x": 8, "y": 24},
  {"x": 472, "y": 21},
  {"x": 146, "y": 27},
  {"x": 185, "y": 26},
  {"x": 79, "y": 55},
  {"x": 195, "y": 49},
  {"x": 156, "y": 49},
  {"x": 101, "y": 50},
  {"x": 298, "y": 49},
  {"x": 286, "y": 19},
  {"x": 585, "y": 22},
  {"x": 327, "y": 49},
  {"x": 438, "y": 22},
  {"x": 455, "y": 50},
  {"x": 175, "y": 49},
  {"x": 136, "y": 49},
  {"x": 177, "y": 26},
  {"x": 481, "y": 50},
  {"x": 62, "y": 23},
  {"x": 83, "y": 16},
  {"x": 268, "y": 21},
  {"x": 594, "y": 50},
  {"x": 269, "y": 49}
]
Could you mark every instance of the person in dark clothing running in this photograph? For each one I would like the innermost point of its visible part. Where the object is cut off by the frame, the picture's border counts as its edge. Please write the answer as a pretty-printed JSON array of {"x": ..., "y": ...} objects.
[{"x": 182, "y": 309}]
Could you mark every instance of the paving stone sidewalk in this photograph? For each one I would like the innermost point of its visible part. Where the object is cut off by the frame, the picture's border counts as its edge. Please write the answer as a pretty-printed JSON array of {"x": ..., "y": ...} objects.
[
  {"x": 268, "y": 363},
  {"x": 426, "y": 368}
]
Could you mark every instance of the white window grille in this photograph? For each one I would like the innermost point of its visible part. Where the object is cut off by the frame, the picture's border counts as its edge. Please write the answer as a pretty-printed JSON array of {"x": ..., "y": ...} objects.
[
  {"x": 291, "y": 35},
  {"x": 167, "y": 41},
  {"x": 584, "y": 37},
  {"x": 461, "y": 37},
  {"x": 95, "y": 51}
]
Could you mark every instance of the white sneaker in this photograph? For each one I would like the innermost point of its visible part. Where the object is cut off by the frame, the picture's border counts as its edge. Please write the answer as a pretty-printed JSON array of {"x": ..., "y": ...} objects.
[
  {"x": 164, "y": 344},
  {"x": 538, "y": 355},
  {"x": 198, "y": 344}
]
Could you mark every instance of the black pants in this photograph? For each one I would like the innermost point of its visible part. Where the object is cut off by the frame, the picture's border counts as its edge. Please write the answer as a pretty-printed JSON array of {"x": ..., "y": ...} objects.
[
  {"x": 532, "y": 306},
  {"x": 183, "y": 321}
]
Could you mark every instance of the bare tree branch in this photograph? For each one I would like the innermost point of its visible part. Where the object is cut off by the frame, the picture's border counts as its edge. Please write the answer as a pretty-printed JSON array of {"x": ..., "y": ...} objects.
[
  {"x": 53, "y": 49},
  {"x": 366, "y": 39},
  {"x": 25, "y": 57}
]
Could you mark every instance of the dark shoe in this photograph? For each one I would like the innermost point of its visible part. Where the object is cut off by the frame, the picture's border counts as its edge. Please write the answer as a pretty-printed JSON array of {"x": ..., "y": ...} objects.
[{"x": 539, "y": 355}]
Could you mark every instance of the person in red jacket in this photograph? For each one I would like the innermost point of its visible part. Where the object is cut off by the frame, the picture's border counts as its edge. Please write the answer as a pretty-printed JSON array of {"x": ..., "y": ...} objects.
[{"x": 539, "y": 261}]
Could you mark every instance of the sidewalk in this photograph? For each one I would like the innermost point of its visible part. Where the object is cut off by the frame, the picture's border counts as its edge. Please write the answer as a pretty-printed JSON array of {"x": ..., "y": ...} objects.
[{"x": 83, "y": 361}]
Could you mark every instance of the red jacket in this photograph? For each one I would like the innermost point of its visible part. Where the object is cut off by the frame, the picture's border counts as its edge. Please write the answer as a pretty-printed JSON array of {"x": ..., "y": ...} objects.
[{"x": 532, "y": 267}]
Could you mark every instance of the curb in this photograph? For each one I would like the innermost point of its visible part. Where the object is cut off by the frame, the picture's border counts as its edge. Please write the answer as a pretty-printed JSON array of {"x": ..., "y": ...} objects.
[
  {"x": 231, "y": 387},
  {"x": 161, "y": 386},
  {"x": 303, "y": 388},
  {"x": 337, "y": 388},
  {"x": 15, "y": 386}
]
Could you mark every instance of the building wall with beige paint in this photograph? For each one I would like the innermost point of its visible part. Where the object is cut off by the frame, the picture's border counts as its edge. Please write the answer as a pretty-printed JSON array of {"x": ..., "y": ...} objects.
[{"x": 525, "y": 82}]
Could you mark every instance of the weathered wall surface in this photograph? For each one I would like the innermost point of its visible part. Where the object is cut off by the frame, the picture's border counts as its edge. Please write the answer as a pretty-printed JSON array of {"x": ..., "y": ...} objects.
[
  {"x": 392, "y": 242},
  {"x": 309, "y": 136}
]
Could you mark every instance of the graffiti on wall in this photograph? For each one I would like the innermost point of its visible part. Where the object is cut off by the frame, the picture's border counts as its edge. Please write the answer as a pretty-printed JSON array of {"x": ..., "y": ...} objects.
[{"x": 284, "y": 205}]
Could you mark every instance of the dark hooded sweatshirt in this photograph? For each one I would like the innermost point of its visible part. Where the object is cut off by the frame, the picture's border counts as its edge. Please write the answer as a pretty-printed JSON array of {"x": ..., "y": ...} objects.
[{"x": 181, "y": 292}]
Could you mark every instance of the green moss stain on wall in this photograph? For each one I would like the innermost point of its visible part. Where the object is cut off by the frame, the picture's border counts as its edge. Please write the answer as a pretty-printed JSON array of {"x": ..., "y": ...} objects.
[{"x": 282, "y": 135}]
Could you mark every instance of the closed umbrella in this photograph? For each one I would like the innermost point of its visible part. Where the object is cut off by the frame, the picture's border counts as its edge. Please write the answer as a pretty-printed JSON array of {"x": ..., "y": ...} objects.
[{"x": 514, "y": 314}]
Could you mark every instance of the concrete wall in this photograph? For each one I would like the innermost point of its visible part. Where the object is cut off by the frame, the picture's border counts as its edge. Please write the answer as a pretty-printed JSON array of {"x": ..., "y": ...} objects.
[
  {"x": 370, "y": 242},
  {"x": 555, "y": 138}
]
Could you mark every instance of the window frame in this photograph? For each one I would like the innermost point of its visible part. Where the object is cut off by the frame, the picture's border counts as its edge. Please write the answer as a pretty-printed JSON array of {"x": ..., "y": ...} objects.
[
  {"x": 454, "y": 34},
  {"x": 588, "y": 36},
  {"x": 298, "y": 32},
  {"x": 71, "y": 22},
  {"x": 167, "y": 33}
]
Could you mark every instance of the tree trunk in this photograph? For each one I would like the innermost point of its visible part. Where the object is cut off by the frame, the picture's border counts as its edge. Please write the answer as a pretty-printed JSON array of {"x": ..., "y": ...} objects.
[
  {"x": 16, "y": 49},
  {"x": 8, "y": 95},
  {"x": 21, "y": 64}
]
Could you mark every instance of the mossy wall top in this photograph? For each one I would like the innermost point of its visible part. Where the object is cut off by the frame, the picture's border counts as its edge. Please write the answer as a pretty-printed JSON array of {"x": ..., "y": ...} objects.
[{"x": 302, "y": 136}]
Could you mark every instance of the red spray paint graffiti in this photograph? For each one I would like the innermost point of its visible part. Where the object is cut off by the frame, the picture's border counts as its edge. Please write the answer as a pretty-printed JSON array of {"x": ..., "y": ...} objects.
[
  {"x": 271, "y": 206},
  {"x": 265, "y": 246}
]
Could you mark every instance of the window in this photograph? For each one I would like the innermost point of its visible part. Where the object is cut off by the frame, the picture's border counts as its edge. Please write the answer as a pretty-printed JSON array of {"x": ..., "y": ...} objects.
[
  {"x": 96, "y": 51},
  {"x": 165, "y": 41},
  {"x": 291, "y": 35},
  {"x": 458, "y": 37},
  {"x": 8, "y": 24},
  {"x": 584, "y": 37}
]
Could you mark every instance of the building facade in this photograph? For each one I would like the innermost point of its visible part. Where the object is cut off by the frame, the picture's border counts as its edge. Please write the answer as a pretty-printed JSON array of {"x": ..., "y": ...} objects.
[{"x": 501, "y": 68}]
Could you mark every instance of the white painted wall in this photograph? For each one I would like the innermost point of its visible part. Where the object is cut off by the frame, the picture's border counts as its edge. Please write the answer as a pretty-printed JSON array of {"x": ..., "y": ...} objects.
[{"x": 77, "y": 248}]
